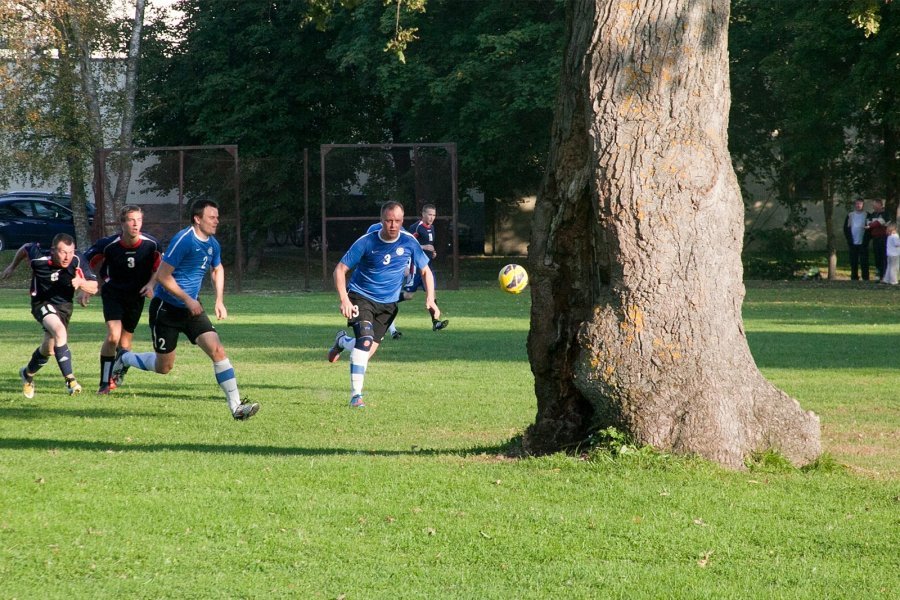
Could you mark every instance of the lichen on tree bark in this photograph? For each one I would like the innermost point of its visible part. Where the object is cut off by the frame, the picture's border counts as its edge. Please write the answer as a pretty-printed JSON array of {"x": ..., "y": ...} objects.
[{"x": 635, "y": 256}]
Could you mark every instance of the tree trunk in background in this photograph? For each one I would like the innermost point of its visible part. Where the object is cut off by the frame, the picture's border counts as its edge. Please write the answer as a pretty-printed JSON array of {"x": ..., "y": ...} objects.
[
  {"x": 636, "y": 243},
  {"x": 830, "y": 246},
  {"x": 126, "y": 131}
]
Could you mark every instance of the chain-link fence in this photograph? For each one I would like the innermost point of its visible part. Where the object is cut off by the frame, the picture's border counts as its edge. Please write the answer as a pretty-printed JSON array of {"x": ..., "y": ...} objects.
[
  {"x": 356, "y": 179},
  {"x": 164, "y": 182}
]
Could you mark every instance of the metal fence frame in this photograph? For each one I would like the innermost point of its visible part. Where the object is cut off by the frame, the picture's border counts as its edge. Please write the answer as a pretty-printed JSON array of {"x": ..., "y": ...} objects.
[
  {"x": 450, "y": 147},
  {"x": 100, "y": 222}
]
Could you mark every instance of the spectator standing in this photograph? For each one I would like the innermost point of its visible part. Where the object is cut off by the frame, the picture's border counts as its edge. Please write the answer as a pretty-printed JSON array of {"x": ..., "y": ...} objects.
[
  {"x": 857, "y": 241},
  {"x": 875, "y": 224},
  {"x": 892, "y": 248}
]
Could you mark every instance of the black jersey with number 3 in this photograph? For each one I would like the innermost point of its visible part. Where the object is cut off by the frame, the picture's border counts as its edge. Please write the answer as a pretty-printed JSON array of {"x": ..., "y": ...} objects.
[
  {"x": 123, "y": 268},
  {"x": 51, "y": 282}
]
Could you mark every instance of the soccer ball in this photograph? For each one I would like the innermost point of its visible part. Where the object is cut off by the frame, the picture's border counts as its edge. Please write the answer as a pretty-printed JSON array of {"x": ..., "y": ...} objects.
[{"x": 513, "y": 279}]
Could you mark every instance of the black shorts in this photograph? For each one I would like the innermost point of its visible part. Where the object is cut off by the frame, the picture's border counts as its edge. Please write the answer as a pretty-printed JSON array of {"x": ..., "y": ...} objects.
[
  {"x": 42, "y": 309},
  {"x": 122, "y": 306},
  {"x": 380, "y": 315},
  {"x": 168, "y": 320}
]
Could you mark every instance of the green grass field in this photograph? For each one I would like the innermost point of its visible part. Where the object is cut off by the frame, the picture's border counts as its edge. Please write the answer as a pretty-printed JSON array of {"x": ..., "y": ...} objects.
[{"x": 155, "y": 492}]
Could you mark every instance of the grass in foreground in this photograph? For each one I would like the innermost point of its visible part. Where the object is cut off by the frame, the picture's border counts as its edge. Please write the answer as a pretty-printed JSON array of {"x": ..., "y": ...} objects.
[{"x": 155, "y": 491}]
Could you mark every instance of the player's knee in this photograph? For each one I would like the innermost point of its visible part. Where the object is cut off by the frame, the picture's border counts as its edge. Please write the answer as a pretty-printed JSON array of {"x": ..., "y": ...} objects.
[
  {"x": 365, "y": 335},
  {"x": 218, "y": 353},
  {"x": 163, "y": 366}
]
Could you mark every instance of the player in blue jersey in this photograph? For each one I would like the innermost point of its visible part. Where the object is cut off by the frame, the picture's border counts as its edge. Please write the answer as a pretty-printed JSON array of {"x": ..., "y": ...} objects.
[
  {"x": 55, "y": 277},
  {"x": 175, "y": 307},
  {"x": 369, "y": 300},
  {"x": 396, "y": 334},
  {"x": 126, "y": 263}
]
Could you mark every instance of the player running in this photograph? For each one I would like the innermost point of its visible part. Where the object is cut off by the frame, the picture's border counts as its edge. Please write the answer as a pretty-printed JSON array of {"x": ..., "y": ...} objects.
[
  {"x": 423, "y": 230},
  {"x": 175, "y": 308},
  {"x": 127, "y": 264},
  {"x": 55, "y": 277},
  {"x": 369, "y": 302}
]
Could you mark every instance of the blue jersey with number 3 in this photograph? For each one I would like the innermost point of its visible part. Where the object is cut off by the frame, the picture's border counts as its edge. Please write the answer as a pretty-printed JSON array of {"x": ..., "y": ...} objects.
[
  {"x": 379, "y": 267},
  {"x": 191, "y": 259}
]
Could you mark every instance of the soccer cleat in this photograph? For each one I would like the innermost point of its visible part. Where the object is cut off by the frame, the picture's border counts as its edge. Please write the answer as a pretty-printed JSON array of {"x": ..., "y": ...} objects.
[
  {"x": 104, "y": 390},
  {"x": 438, "y": 325},
  {"x": 357, "y": 402},
  {"x": 73, "y": 387},
  {"x": 119, "y": 368},
  {"x": 27, "y": 383},
  {"x": 397, "y": 334},
  {"x": 334, "y": 353},
  {"x": 244, "y": 411}
]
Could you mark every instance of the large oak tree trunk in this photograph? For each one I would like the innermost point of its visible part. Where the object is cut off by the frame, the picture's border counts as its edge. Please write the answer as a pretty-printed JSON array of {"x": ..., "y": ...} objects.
[{"x": 636, "y": 244}]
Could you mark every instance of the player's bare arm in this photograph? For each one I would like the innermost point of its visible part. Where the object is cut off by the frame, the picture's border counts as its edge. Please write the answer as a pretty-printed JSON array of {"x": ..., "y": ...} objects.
[
  {"x": 19, "y": 256},
  {"x": 218, "y": 277},
  {"x": 147, "y": 290},
  {"x": 165, "y": 279},
  {"x": 428, "y": 280},
  {"x": 86, "y": 286},
  {"x": 340, "y": 284}
]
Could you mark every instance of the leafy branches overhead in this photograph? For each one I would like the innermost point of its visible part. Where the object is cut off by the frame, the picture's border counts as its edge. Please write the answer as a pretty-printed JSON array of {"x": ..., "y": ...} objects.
[{"x": 866, "y": 14}]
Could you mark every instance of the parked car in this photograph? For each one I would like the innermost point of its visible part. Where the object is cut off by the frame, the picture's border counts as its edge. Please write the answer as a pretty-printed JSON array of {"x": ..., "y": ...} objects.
[
  {"x": 26, "y": 219},
  {"x": 63, "y": 199}
]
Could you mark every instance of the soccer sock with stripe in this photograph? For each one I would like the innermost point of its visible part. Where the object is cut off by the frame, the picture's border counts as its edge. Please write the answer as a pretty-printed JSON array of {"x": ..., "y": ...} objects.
[
  {"x": 64, "y": 360},
  {"x": 228, "y": 383},
  {"x": 106, "y": 364},
  {"x": 359, "y": 360},
  {"x": 145, "y": 361},
  {"x": 348, "y": 342}
]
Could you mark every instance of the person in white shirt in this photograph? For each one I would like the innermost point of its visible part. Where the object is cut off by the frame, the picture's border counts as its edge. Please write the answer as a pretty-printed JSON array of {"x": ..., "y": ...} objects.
[{"x": 893, "y": 255}]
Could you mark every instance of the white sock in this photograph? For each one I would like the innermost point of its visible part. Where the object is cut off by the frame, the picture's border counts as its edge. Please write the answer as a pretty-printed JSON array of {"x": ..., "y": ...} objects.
[
  {"x": 145, "y": 361},
  {"x": 392, "y": 329},
  {"x": 228, "y": 383},
  {"x": 359, "y": 360},
  {"x": 348, "y": 342}
]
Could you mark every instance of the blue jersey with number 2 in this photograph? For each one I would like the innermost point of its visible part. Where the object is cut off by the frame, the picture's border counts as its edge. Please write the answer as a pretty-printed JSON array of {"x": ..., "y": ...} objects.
[
  {"x": 191, "y": 259},
  {"x": 379, "y": 267}
]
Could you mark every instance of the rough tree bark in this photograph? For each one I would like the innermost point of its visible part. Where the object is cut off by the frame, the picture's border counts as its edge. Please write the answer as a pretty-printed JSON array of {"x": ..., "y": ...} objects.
[{"x": 635, "y": 251}]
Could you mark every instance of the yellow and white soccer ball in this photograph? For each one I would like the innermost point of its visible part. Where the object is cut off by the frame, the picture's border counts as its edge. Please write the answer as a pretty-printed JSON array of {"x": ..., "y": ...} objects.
[{"x": 513, "y": 279}]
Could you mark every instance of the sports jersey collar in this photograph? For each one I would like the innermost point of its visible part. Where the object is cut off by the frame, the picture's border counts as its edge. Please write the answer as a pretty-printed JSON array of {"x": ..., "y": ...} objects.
[
  {"x": 138, "y": 242},
  {"x": 198, "y": 236}
]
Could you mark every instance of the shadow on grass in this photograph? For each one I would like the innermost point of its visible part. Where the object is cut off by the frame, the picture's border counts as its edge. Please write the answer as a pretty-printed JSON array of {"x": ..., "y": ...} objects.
[
  {"x": 250, "y": 450},
  {"x": 305, "y": 342},
  {"x": 92, "y": 412},
  {"x": 814, "y": 351}
]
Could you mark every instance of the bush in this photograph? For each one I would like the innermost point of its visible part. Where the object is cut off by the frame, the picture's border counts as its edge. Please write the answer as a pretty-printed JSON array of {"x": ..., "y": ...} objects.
[{"x": 778, "y": 258}]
